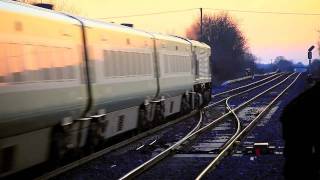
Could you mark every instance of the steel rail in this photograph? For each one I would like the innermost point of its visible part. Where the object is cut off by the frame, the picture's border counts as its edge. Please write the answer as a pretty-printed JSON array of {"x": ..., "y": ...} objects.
[
  {"x": 245, "y": 130},
  {"x": 237, "y": 88},
  {"x": 102, "y": 152},
  {"x": 237, "y": 123},
  {"x": 143, "y": 167},
  {"x": 242, "y": 92},
  {"x": 138, "y": 170},
  {"x": 95, "y": 155}
]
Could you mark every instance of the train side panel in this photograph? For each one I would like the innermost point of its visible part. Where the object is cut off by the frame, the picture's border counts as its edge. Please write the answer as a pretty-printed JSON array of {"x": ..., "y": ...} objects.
[
  {"x": 202, "y": 53},
  {"x": 122, "y": 73},
  {"x": 202, "y": 81},
  {"x": 176, "y": 78},
  {"x": 40, "y": 82}
]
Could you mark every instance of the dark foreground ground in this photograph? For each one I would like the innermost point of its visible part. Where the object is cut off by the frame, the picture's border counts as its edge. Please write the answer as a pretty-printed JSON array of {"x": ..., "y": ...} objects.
[{"x": 269, "y": 166}]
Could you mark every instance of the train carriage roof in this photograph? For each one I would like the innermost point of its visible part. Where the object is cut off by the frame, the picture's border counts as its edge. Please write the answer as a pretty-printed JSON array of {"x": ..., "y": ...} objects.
[
  {"x": 111, "y": 26},
  {"x": 170, "y": 38},
  {"x": 17, "y": 7},
  {"x": 200, "y": 44}
]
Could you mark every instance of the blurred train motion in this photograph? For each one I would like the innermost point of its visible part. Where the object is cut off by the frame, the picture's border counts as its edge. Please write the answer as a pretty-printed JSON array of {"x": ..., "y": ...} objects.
[{"x": 68, "y": 83}]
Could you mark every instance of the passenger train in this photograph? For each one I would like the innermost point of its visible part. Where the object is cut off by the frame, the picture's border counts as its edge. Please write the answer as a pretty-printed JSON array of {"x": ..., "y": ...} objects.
[{"x": 68, "y": 83}]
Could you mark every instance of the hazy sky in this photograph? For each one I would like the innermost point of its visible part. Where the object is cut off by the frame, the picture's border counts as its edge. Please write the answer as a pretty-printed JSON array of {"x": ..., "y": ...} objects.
[{"x": 269, "y": 35}]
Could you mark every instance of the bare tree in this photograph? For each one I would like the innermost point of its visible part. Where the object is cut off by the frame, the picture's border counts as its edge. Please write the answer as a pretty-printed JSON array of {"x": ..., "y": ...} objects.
[
  {"x": 283, "y": 64},
  {"x": 229, "y": 46}
]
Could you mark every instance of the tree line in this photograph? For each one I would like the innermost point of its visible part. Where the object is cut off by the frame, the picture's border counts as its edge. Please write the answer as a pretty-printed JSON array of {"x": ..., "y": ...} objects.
[{"x": 230, "y": 55}]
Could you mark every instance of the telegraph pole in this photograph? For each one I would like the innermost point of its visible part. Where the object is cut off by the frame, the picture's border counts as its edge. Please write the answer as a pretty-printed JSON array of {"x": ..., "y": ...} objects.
[{"x": 200, "y": 24}]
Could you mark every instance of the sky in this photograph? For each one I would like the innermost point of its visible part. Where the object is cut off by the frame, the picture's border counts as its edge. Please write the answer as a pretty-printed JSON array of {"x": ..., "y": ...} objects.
[{"x": 268, "y": 35}]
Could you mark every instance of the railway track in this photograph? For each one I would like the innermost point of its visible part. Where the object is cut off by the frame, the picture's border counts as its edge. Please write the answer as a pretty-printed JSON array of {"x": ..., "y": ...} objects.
[
  {"x": 244, "y": 132},
  {"x": 151, "y": 139},
  {"x": 205, "y": 131}
]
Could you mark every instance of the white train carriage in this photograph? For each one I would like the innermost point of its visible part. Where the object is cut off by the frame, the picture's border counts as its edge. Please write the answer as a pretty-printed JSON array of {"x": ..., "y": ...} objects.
[
  {"x": 122, "y": 70},
  {"x": 40, "y": 82},
  {"x": 202, "y": 83},
  {"x": 175, "y": 74},
  {"x": 202, "y": 53}
]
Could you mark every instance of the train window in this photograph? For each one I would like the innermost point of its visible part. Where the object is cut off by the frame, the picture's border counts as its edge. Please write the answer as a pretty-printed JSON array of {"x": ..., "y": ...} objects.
[
  {"x": 197, "y": 67},
  {"x": 145, "y": 63},
  {"x": 175, "y": 63},
  {"x": 117, "y": 63},
  {"x": 15, "y": 61},
  {"x": 179, "y": 64},
  {"x": 122, "y": 62},
  {"x": 59, "y": 73},
  {"x": 135, "y": 59},
  {"x": 114, "y": 62},
  {"x": 54, "y": 57},
  {"x": 136, "y": 63},
  {"x": 132, "y": 59},
  {"x": 65, "y": 63},
  {"x": 167, "y": 65},
  {"x": 149, "y": 68},
  {"x": 72, "y": 63},
  {"x": 106, "y": 62},
  {"x": 111, "y": 62},
  {"x": 126, "y": 63},
  {"x": 45, "y": 73},
  {"x": 189, "y": 63},
  {"x": 183, "y": 64},
  {"x": 186, "y": 61},
  {"x": 120, "y": 122},
  {"x": 30, "y": 63},
  {"x": 39, "y": 53},
  {"x": 108, "y": 65},
  {"x": 131, "y": 69},
  {"x": 58, "y": 63},
  {"x": 142, "y": 64}
]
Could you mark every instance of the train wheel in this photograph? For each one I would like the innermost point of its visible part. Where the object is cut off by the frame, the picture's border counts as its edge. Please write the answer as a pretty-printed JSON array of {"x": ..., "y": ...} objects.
[
  {"x": 143, "y": 119},
  {"x": 56, "y": 146},
  {"x": 196, "y": 101},
  {"x": 185, "y": 105},
  {"x": 207, "y": 96},
  {"x": 159, "y": 116}
]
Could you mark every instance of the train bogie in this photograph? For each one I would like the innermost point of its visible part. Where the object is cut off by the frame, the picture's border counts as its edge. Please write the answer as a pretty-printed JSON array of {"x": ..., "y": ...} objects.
[
  {"x": 172, "y": 105},
  {"x": 121, "y": 121}
]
